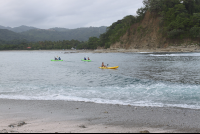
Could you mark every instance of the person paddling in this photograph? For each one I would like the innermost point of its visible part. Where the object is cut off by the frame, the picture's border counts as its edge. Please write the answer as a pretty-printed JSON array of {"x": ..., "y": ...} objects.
[
  {"x": 103, "y": 65},
  {"x": 88, "y": 58}
]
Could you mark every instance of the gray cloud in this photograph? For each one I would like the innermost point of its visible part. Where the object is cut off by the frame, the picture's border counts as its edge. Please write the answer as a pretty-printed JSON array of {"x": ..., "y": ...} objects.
[{"x": 65, "y": 13}]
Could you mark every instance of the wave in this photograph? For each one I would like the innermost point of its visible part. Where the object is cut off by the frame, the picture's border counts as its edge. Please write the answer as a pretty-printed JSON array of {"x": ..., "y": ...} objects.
[
  {"x": 176, "y": 54},
  {"x": 141, "y": 93}
]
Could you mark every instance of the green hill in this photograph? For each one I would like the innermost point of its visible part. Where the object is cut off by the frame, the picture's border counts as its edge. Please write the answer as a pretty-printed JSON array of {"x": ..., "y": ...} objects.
[
  {"x": 158, "y": 24},
  {"x": 8, "y": 35},
  {"x": 56, "y": 34},
  {"x": 18, "y": 29}
]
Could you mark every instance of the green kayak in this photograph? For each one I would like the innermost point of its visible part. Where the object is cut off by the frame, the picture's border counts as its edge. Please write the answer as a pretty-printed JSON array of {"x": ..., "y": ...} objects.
[
  {"x": 56, "y": 60},
  {"x": 86, "y": 60}
]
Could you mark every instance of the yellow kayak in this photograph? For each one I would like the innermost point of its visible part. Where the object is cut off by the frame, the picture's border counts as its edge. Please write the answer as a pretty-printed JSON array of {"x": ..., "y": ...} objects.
[{"x": 109, "y": 67}]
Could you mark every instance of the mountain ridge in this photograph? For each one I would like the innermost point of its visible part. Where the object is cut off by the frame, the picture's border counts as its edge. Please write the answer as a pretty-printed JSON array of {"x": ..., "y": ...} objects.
[{"x": 53, "y": 34}]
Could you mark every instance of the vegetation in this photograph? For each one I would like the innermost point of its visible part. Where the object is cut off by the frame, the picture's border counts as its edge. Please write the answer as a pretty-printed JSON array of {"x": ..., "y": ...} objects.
[
  {"x": 92, "y": 43},
  {"x": 119, "y": 28},
  {"x": 55, "y": 38},
  {"x": 57, "y": 34},
  {"x": 180, "y": 18},
  {"x": 53, "y": 34},
  {"x": 43, "y": 45}
]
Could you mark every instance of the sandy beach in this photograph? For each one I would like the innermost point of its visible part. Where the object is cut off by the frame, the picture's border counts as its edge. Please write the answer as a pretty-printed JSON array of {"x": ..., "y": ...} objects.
[{"x": 31, "y": 116}]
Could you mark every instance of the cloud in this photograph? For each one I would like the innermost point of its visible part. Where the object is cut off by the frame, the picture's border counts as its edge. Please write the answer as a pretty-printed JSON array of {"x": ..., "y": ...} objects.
[{"x": 65, "y": 13}]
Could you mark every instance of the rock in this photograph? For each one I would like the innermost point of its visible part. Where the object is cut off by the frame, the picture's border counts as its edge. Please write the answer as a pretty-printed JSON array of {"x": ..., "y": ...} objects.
[
  {"x": 21, "y": 123},
  {"x": 145, "y": 131},
  {"x": 14, "y": 132},
  {"x": 12, "y": 125},
  {"x": 4, "y": 131},
  {"x": 82, "y": 126}
]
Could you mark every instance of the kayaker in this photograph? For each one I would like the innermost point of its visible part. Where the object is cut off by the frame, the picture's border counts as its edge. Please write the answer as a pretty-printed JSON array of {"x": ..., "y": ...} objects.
[
  {"x": 85, "y": 58},
  {"x": 88, "y": 58},
  {"x": 103, "y": 65},
  {"x": 59, "y": 58}
]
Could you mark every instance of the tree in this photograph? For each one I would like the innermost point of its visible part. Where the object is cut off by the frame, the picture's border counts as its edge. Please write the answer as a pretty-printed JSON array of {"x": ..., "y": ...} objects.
[{"x": 93, "y": 42}]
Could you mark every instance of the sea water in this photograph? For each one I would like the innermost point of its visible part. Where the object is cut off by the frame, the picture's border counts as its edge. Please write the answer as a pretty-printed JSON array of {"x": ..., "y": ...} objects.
[{"x": 142, "y": 79}]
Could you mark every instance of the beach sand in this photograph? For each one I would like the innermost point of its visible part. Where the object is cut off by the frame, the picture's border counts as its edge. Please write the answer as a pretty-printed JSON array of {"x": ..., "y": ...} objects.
[{"x": 31, "y": 116}]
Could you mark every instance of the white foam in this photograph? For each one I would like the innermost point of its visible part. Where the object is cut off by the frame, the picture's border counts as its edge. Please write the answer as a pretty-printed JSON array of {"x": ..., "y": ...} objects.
[
  {"x": 177, "y": 54},
  {"x": 155, "y": 94}
]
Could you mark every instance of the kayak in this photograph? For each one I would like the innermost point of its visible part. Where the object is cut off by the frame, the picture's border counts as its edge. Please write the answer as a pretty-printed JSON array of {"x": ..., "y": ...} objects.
[
  {"x": 86, "y": 60},
  {"x": 56, "y": 60},
  {"x": 109, "y": 67}
]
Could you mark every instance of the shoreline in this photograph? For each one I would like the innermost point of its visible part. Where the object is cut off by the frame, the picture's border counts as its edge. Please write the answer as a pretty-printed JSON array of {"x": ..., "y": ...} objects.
[
  {"x": 38, "y": 116},
  {"x": 170, "y": 49}
]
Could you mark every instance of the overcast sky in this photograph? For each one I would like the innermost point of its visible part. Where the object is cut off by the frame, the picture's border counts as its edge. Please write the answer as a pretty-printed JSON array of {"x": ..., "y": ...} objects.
[{"x": 65, "y": 13}]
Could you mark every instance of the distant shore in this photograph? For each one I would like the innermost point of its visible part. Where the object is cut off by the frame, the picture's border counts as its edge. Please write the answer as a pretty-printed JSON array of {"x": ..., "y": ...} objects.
[
  {"x": 32, "y": 116},
  {"x": 186, "y": 49},
  {"x": 191, "y": 48}
]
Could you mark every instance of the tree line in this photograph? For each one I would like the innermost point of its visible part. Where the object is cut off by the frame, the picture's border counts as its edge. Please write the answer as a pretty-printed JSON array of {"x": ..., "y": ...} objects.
[{"x": 48, "y": 45}]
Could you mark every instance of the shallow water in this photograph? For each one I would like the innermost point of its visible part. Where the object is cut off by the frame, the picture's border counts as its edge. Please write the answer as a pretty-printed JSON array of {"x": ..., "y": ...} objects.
[{"x": 142, "y": 79}]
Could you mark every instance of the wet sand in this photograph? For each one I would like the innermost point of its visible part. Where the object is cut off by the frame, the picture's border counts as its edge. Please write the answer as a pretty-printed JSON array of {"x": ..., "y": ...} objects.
[{"x": 33, "y": 116}]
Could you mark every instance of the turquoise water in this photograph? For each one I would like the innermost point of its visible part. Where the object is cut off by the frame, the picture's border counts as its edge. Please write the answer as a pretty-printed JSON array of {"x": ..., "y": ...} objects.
[{"x": 142, "y": 79}]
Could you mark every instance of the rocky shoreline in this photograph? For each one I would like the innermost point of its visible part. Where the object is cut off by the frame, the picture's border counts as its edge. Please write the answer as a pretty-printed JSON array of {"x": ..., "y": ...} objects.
[
  {"x": 172, "y": 49},
  {"x": 188, "y": 48}
]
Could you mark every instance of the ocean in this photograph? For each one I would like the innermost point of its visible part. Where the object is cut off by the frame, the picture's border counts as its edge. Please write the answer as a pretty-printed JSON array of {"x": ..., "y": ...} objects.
[{"x": 142, "y": 79}]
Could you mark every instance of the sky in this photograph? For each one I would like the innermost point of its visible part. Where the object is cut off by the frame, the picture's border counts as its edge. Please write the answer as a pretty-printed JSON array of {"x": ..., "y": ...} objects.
[{"x": 45, "y": 14}]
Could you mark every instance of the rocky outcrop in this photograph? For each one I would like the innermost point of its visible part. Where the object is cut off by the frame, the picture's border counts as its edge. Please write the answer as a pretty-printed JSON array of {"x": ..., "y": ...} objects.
[{"x": 147, "y": 35}]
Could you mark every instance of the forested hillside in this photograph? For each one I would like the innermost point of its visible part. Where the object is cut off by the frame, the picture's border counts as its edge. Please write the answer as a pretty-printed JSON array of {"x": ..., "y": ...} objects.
[
  {"x": 179, "y": 18},
  {"x": 55, "y": 38},
  {"x": 53, "y": 34},
  {"x": 56, "y": 34},
  {"x": 7, "y": 35},
  {"x": 165, "y": 21}
]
